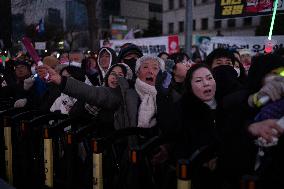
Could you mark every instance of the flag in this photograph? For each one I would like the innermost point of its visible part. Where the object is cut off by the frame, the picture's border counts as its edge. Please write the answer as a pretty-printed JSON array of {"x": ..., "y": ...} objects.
[
  {"x": 129, "y": 35},
  {"x": 40, "y": 27}
]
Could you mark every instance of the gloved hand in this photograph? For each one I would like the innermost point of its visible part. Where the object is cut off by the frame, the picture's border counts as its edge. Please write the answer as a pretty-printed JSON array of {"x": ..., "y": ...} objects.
[
  {"x": 160, "y": 80},
  {"x": 20, "y": 103},
  {"x": 28, "y": 83},
  {"x": 274, "y": 89},
  {"x": 167, "y": 80}
]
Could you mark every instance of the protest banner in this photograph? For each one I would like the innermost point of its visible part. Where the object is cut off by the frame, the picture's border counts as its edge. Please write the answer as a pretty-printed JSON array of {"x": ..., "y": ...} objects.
[
  {"x": 245, "y": 8},
  {"x": 151, "y": 45},
  {"x": 256, "y": 44}
]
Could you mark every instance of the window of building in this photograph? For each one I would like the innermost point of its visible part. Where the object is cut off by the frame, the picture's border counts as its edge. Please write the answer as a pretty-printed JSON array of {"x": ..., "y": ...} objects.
[
  {"x": 181, "y": 3},
  {"x": 204, "y": 1},
  {"x": 171, "y": 4},
  {"x": 217, "y": 24},
  {"x": 194, "y": 2},
  {"x": 193, "y": 25},
  {"x": 204, "y": 23},
  {"x": 171, "y": 28},
  {"x": 155, "y": 7},
  {"x": 181, "y": 26},
  {"x": 247, "y": 21},
  {"x": 231, "y": 23}
]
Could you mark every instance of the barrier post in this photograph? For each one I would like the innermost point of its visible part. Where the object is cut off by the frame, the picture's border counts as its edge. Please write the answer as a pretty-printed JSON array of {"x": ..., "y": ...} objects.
[
  {"x": 183, "y": 175},
  {"x": 97, "y": 166}
]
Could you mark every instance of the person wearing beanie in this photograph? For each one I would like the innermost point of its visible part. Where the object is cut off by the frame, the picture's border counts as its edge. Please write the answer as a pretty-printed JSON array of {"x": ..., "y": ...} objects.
[
  {"x": 128, "y": 54},
  {"x": 246, "y": 58},
  {"x": 22, "y": 89},
  {"x": 219, "y": 57}
]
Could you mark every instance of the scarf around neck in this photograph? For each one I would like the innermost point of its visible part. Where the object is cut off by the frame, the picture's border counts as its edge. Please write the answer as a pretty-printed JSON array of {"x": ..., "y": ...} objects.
[{"x": 148, "y": 106}]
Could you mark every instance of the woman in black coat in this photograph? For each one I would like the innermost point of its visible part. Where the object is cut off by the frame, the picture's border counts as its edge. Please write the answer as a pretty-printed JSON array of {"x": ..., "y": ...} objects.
[{"x": 204, "y": 124}]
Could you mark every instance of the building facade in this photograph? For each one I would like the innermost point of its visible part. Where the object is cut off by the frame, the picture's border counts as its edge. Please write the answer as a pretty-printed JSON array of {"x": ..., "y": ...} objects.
[
  {"x": 139, "y": 12},
  {"x": 203, "y": 20}
]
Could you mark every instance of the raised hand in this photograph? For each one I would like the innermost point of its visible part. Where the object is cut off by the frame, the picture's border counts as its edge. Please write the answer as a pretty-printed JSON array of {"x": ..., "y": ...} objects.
[{"x": 47, "y": 73}]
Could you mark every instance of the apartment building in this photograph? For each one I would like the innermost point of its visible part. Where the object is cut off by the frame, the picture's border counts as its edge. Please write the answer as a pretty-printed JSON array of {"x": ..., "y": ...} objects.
[{"x": 203, "y": 20}]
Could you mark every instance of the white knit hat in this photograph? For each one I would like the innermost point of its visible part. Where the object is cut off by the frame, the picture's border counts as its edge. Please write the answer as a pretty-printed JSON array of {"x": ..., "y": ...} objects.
[{"x": 150, "y": 57}]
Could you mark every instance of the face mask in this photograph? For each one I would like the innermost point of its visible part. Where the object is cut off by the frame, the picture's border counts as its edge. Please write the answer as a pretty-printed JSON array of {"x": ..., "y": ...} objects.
[
  {"x": 92, "y": 71},
  {"x": 238, "y": 71},
  {"x": 33, "y": 70},
  {"x": 131, "y": 63}
]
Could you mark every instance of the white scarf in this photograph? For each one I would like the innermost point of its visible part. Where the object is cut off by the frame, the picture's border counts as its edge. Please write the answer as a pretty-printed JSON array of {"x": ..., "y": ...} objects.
[{"x": 148, "y": 106}]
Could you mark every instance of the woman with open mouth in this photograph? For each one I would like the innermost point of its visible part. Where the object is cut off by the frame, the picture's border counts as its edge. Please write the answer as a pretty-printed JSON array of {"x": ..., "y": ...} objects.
[{"x": 202, "y": 122}]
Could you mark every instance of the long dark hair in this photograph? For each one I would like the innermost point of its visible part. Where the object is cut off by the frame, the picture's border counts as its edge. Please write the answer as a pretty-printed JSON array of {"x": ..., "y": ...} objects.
[{"x": 189, "y": 74}]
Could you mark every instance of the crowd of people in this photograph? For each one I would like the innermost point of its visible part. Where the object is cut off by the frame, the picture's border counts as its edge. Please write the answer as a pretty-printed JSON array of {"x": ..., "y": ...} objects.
[{"x": 214, "y": 104}]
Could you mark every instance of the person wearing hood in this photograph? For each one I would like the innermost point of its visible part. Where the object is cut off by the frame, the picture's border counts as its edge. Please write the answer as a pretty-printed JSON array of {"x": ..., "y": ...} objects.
[{"x": 106, "y": 58}]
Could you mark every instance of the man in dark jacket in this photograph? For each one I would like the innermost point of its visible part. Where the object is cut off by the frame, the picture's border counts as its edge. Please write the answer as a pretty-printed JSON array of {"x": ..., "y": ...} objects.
[{"x": 128, "y": 54}]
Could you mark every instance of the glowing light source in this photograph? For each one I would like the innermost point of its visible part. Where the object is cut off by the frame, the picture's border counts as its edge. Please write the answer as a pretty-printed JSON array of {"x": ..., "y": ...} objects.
[{"x": 273, "y": 19}]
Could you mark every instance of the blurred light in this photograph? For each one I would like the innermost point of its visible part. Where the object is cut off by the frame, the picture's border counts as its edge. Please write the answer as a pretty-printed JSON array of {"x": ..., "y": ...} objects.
[
  {"x": 61, "y": 43},
  {"x": 45, "y": 50},
  {"x": 89, "y": 52},
  {"x": 5, "y": 52},
  {"x": 57, "y": 55},
  {"x": 282, "y": 73}
]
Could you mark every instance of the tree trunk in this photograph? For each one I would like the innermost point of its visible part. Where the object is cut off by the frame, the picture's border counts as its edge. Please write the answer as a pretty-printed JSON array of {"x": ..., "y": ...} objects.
[{"x": 92, "y": 24}]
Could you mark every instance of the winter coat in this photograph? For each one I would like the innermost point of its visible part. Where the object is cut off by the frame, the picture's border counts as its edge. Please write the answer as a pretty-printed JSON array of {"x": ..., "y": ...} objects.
[
  {"x": 222, "y": 130},
  {"x": 122, "y": 101}
]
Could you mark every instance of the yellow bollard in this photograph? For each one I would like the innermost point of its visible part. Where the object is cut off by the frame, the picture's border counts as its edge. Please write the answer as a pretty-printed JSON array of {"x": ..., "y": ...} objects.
[
  {"x": 48, "y": 159},
  {"x": 8, "y": 150},
  {"x": 183, "y": 180},
  {"x": 97, "y": 167}
]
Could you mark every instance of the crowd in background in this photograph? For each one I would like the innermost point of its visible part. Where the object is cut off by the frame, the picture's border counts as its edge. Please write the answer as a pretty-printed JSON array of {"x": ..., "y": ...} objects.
[{"x": 193, "y": 103}]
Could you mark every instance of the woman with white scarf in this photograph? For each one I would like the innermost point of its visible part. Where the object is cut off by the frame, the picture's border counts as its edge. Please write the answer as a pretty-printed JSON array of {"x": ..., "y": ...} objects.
[{"x": 133, "y": 107}]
